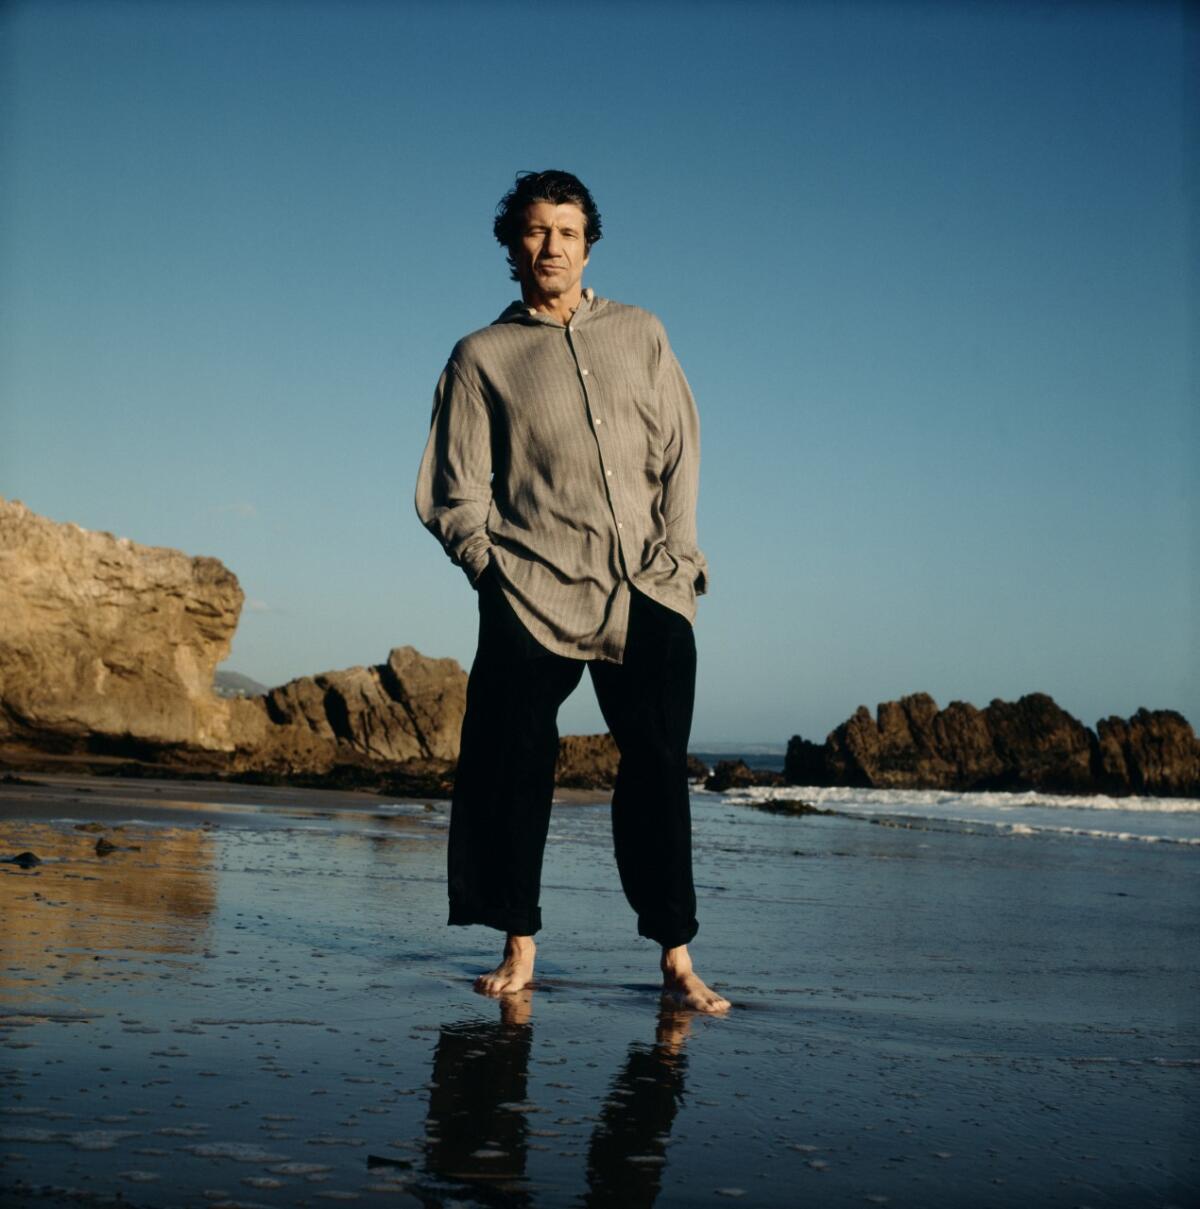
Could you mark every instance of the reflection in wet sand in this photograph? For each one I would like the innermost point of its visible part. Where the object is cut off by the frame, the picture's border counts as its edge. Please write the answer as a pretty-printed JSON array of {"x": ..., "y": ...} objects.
[
  {"x": 627, "y": 1153},
  {"x": 62, "y": 917},
  {"x": 477, "y": 1131}
]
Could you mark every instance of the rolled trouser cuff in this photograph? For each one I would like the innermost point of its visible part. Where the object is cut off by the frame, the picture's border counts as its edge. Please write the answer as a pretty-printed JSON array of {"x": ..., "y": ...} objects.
[
  {"x": 669, "y": 935},
  {"x": 512, "y": 922}
]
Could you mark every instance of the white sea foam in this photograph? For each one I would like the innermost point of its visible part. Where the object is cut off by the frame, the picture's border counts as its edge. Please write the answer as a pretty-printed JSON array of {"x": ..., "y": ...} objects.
[
  {"x": 1099, "y": 834},
  {"x": 834, "y": 795},
  {"x": 1147, "y": 820}
]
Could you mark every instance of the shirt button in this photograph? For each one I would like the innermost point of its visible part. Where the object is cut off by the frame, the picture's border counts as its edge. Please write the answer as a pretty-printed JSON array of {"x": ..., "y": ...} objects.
[
  {"x": 583, "y": 372},
  {"x": 608, "y": 473},
  {"x": 599, "y": 421},
  {"x": 619, "y": 525}
]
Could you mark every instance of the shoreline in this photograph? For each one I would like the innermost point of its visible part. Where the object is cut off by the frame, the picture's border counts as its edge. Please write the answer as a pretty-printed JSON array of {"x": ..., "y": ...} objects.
[
  {"x": 60, "y": 796},
  {"x": 425, "y": 782}
]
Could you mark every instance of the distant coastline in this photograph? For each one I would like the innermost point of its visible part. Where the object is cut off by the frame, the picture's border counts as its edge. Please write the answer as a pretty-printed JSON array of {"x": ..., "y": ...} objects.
[{"x": 112, "y": 668}]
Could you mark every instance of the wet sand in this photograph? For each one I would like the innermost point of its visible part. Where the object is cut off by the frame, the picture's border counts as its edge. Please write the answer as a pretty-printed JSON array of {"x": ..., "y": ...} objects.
[{"x": 254, "y": 1000}]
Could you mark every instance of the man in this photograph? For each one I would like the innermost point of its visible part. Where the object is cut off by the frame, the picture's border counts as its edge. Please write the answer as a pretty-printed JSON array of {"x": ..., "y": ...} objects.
[{"x": 561, "y": 475}]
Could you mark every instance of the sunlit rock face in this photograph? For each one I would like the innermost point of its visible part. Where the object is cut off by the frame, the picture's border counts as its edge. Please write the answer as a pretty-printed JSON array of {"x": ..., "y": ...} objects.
[
  {"x": 110, "y": 647},
  {"x": 103, "y": 638},
  {"x": 409, "y": 708}
]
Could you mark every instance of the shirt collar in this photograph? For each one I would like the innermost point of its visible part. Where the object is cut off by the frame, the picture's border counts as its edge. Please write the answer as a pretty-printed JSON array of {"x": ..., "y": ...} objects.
[{"x": 518, "y": 312}]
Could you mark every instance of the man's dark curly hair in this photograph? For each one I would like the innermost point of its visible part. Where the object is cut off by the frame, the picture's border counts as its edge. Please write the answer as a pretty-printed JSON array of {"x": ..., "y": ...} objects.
[{"x": 561, "y": 188}]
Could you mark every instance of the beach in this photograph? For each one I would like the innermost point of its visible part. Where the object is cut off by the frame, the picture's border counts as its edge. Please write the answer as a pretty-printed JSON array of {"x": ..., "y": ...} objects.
[{"x": 252, "y": 998}]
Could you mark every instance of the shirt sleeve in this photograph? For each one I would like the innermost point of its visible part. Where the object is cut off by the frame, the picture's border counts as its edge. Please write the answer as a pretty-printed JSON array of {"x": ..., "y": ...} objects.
[
  {"x": 681, "y": 467},
  {"x": 454, "y": 492}
]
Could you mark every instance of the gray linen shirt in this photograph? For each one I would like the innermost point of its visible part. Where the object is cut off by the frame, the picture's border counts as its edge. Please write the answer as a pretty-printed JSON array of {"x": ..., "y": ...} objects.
[{"x": 569, "y": 458}]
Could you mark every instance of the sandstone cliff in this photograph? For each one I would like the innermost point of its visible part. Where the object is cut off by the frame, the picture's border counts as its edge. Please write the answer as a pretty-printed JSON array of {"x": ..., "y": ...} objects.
[
  {"x": 105, "y": 639},
  {"x": 110, "y": 647},
  {"x": 1028, "y": 744}
]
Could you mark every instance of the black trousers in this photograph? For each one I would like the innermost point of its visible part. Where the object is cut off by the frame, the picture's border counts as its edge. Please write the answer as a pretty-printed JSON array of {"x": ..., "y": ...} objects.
[{"x": 505, "y": 781}]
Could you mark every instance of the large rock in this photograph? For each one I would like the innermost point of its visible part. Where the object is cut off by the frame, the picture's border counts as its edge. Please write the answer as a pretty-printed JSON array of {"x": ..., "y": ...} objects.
[
  {"x": 110, "y": 647},
  {"x": 409, "y": 708},
  {"x": 1028, "y": 744},
  {"x": 910, "y": 742},
  {"x": 1154, "y": 752},
  {"x": 804, "y": 763},
  {"x": 587, "y": 761},
  {"x": 1038, "y": 745},
  {"x": 737, "y": 774},
  {"x": 105, "y": 641}
]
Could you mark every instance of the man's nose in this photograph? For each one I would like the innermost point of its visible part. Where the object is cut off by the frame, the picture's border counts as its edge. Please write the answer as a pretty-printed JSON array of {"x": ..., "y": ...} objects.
[{"x": 553, "y": 244}]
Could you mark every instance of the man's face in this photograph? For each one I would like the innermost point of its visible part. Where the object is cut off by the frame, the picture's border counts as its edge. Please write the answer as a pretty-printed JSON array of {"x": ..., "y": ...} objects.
[{"x": 552, "y": 251}]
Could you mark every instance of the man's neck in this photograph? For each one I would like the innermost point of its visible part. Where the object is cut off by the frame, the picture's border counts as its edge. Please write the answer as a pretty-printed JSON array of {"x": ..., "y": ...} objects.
[{"x": 559, "y": 306}]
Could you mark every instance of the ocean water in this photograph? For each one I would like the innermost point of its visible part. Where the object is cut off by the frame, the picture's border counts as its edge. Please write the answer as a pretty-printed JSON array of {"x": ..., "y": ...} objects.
[
  {"x": 254, "y": 1001},
  {"x": 1145, "y": 820}
]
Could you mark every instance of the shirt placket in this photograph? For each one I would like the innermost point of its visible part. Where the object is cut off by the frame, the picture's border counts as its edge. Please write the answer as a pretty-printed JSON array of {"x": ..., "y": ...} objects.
[{"x": 602, "y": 433}]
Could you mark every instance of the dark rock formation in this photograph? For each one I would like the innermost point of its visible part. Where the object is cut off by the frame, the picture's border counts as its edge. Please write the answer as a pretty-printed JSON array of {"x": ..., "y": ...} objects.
[
  {"x": 26, "y": 860},
  {"x": 737, "y": 774},
  {"x": 804, "y": 763},
  {"x": 1028, "y": 744},
  {"x": 1038, "y": 746},
  {"x": 791, "y": 806},
  {"x": 1153, "y": 753}
]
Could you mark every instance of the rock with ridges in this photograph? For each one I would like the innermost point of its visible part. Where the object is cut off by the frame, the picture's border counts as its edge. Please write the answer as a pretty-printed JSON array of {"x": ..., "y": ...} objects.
[
  {"x": 1027, "y": 744},
  {"x": 434, "y": 692},
  {"x": 1039, "y": 746},
  {"x": 410, "y": 708},
  {"x": 1155, "y": 752}
]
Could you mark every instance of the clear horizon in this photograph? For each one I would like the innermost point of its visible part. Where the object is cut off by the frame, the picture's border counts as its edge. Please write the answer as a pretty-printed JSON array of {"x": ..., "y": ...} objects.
[{"x": 930, "y": 269}]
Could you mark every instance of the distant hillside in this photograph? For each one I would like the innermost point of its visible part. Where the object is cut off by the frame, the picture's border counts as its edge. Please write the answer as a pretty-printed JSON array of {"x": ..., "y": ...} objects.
[{"x": 234, "y": 684}]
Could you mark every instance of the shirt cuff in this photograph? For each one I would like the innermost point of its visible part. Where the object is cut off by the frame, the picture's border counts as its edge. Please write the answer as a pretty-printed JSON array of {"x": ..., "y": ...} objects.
[{"x": 478, "y": 568}]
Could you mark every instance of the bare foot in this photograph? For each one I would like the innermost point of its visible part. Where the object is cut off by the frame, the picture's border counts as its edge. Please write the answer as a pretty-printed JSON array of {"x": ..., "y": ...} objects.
[
  {"x": 685, "y": 987},
  {"x": 514, "y": 973}
]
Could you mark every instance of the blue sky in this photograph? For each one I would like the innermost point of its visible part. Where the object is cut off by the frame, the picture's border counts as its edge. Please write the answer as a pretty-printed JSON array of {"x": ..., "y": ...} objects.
[{"x": 928, "y": 268}]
